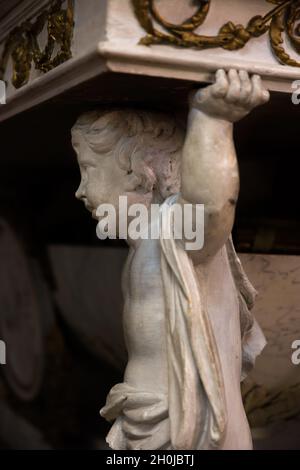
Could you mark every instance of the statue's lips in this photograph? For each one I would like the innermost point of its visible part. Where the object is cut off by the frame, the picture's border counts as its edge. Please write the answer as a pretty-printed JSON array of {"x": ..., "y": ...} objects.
[{"x": 88, "y": 206}]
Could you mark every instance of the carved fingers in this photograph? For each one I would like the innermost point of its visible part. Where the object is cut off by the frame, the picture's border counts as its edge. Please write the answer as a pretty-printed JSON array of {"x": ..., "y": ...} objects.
[
  {"x": 259, "y": 94},
  {"x": 233, "y": 95},
  {"x": 238, "y": 87},
  {"x": 220, "y": 87}
]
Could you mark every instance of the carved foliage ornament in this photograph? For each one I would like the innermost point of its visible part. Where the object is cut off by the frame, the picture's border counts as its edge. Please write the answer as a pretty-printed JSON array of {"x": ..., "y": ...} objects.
[
  {"x": 23, "y": 47},
  {"x": 283, "y": 18}
]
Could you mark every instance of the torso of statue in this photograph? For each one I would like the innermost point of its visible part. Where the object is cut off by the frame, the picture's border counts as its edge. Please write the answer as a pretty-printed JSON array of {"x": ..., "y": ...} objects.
[
  {"x": 144, "y": 318},
  {"x": 145, "y": 329}
]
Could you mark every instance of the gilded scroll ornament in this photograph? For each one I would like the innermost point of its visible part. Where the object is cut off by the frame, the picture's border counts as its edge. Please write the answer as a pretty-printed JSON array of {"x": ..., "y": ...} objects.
[
  {"x": 22, "y": 44},
  {"x": 284, "y": 17}
]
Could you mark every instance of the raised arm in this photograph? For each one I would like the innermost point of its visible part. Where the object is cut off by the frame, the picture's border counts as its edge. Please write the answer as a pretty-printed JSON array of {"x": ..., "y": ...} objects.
[{"x": 209, "y": 172}]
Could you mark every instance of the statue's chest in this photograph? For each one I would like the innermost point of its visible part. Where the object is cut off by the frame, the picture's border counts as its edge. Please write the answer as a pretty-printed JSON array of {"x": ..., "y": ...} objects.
[
  {"x": 144, "y": 307},
  {"x": 143, "y": 272}
]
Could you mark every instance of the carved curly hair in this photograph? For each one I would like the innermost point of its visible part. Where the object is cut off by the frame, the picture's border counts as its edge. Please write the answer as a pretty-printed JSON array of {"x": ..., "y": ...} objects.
[{"x": 145, "y": 144}]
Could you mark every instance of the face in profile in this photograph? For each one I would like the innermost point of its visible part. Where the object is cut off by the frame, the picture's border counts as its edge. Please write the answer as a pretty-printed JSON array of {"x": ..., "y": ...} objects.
[
  {"x": 126, "y": 153},
  {"x": 102, "y": 180}
]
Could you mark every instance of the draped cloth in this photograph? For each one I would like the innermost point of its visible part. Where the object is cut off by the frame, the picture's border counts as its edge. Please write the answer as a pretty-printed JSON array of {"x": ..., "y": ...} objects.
[
  {"x": 253, "y": 339},
  {"x": 141, "y": 419},
  {"x": 194, "y": 414}
]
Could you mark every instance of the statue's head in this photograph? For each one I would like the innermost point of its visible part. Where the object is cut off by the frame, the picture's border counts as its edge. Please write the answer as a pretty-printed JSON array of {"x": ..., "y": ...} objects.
[{"x": 127, "y": 152}]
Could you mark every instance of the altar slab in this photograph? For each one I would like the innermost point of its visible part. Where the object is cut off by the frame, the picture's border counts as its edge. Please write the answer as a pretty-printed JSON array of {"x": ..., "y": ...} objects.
[{"x": 92, "y": 39}]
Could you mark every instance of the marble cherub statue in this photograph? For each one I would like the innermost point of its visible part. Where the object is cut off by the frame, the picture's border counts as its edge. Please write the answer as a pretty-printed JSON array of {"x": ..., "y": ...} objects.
[{"x": 189, "y": 332}]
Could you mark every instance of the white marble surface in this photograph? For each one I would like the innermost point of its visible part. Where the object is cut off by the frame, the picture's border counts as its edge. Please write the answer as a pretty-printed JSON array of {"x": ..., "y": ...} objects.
[{"x": 277, "y": 308}]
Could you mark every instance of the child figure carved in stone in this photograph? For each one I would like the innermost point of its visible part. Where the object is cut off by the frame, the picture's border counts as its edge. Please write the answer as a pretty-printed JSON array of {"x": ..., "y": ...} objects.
[{"x": 189, "y": 332}]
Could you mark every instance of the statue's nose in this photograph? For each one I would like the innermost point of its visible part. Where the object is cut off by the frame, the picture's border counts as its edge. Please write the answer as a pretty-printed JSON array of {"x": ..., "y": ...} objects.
[{"x": 80, "y": 192}]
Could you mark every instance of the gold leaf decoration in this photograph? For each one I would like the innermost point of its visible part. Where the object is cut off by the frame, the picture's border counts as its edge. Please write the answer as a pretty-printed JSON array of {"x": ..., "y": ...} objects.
[
  {"x": 22, "y": 44},
  {"x": 284, "y": 17}
]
